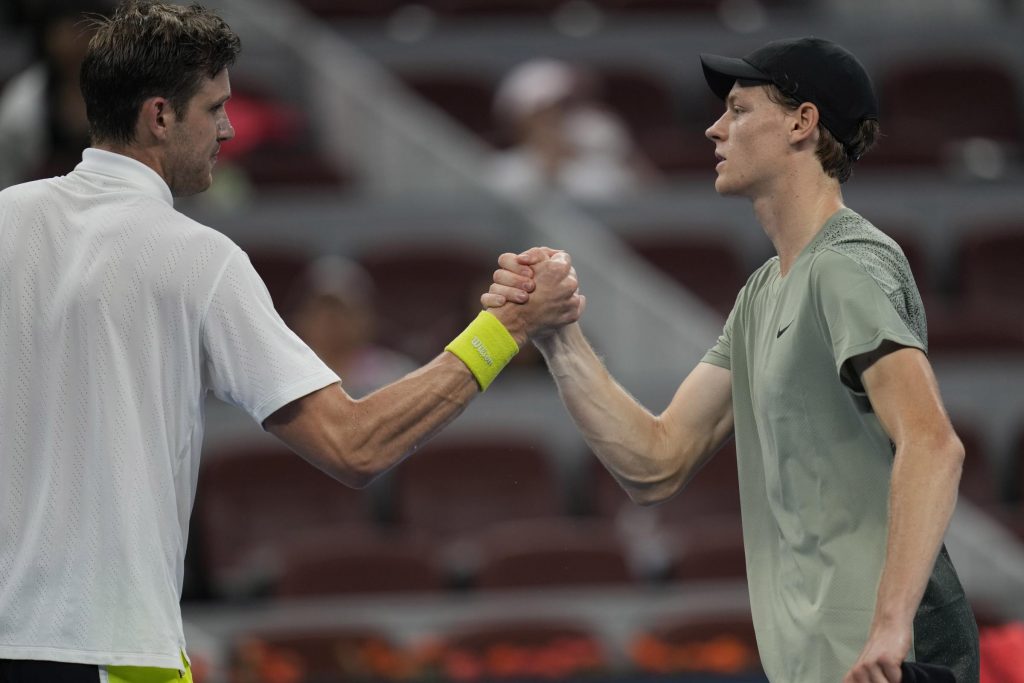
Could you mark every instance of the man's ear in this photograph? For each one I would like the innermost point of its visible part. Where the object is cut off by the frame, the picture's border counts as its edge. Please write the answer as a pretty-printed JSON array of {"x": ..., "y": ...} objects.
[
  {"x": 804, "y": 122},
  {"x": 155, "y": 117}
]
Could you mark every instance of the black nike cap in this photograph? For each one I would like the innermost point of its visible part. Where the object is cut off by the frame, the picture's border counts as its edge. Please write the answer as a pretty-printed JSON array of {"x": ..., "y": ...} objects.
[{"x": 808, "y": 69}]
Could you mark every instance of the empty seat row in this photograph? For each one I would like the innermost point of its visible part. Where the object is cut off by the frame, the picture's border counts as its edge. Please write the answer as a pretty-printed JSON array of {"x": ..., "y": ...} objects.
[
  {"x": 482, "y": 514},
  {"x": 479, "y": 513}
]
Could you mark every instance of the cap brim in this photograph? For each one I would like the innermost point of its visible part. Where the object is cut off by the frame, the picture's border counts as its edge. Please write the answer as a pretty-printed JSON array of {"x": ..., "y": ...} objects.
[{"x": 722, "y": 72}]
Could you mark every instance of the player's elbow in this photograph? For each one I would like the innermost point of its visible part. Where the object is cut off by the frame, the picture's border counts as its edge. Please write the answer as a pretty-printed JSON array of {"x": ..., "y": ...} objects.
[
  {"x": 956, "y": 453},
  {"x": 356, "y": 465},
  {"x": 652, "y": 492}
]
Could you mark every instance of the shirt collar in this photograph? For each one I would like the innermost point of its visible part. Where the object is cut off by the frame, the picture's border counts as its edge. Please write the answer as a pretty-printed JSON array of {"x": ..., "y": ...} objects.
[{"x": 129, "y": 170}]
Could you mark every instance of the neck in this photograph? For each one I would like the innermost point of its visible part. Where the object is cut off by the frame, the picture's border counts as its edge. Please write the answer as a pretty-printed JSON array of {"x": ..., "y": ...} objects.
[
  {"x": 795, "y": 211},
  {"x": 145, "y": 155}
]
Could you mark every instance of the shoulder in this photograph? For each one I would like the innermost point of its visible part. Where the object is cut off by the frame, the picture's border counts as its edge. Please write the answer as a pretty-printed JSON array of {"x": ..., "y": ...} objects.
[
  {"x": 851, "y": 244},
  {"x": 171, "y": 225},
  {"x": 760, "y": 277}
]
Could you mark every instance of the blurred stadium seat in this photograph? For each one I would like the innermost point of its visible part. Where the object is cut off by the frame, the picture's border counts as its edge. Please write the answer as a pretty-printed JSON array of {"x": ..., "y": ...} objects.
[
  {"x": 646, "y": 102},
  {"x": 280, "y": 268},
  {"x": 292, "y": 167},
  {"x": 351, "y": 9},
  {"x": 923, "y": 124},
  {"x": 707, "y": 265},
  {"x": 707, "y": 548},
  {"x": 348, "y": 561},
  {"x": 252, "y": 500},
  {"x": 459, "y": 486},
  {"x": 551, "y": 552},
  {"x": 419, "y": 321},
  {"x": 708, "y": 7},
  {"x": 494, "y": 7},
  {"x": 465, "y": 96},
  {"x": 713, "y": 490},
  {"x": 990, "y": 265}
]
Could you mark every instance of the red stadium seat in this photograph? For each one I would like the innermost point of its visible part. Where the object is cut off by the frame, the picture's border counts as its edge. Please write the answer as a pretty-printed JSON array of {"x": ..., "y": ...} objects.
[
  {"x": 348, "y": 561},
  {"x": 990, "y": 259},
  {"x": 713, "y": 491},
  {"x": 709, "y": 548},
  {"x": 466, "y": 97},
  {"x": 709, "y": 266},
  {"x": 922, "y": 124},
  {"x": 280, "y": 269},
  {"x": 418, "y": 325},
  {"x": 551, "y": 552},
  {"x": 494, "y": 7},
  {"x": 352, "y": 9},
  {"x": 458, "y": 486},
  {"x": 673, "y": 140},
  {"x": 251, "y": 501}
]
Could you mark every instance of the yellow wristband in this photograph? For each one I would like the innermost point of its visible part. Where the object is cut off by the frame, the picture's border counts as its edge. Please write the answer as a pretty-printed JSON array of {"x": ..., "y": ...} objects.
[{"x": 485, "y": 346}]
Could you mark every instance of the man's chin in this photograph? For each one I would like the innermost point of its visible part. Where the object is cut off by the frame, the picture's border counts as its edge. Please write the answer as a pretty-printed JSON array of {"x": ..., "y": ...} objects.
[
  {"x": 192, "y": 190},
  {"x": 723, "y": 188}
]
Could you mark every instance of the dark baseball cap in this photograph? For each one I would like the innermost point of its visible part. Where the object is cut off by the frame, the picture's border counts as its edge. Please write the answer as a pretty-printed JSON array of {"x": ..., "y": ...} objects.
[{"x": 809, "y": 69}]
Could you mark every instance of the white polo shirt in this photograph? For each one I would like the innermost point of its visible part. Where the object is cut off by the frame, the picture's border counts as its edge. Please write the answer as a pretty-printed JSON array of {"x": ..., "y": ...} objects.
[{"x": 117, "y": 315}]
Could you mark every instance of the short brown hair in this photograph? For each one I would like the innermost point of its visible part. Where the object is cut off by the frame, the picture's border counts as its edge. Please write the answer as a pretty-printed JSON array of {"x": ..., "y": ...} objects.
[
  {"x": 150, "y": 49},
  {"x": 836, "y": 158}
]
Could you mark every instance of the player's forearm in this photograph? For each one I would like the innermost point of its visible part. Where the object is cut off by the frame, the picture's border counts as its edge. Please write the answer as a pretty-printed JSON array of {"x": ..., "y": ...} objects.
[
  {"x": 392, "y": 422},
  {"x": 626, "y": 437},
  {"x": 923, "y": 492}
]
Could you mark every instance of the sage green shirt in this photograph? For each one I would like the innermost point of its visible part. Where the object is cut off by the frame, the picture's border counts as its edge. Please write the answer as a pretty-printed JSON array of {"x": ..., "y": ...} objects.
[{"x": 814, "y": 462}]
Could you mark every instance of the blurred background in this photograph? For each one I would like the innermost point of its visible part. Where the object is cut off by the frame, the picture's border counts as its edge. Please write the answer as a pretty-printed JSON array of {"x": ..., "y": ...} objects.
[{"x": 386, "y": 153}]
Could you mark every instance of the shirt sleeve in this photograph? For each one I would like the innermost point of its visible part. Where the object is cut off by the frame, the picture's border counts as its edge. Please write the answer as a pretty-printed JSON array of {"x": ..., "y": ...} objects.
[
  {"x": 252, "y": 359},
  {"x": 855, "y": 313},
  {"x": 721, "y": 353}
]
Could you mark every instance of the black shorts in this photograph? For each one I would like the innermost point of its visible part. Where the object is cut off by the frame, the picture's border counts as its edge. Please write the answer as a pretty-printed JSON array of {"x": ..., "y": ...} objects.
[{"x": 32, "y": 671}]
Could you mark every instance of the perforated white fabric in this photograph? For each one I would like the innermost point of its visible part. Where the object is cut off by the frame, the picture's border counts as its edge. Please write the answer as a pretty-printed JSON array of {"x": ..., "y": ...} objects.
[{"x": 117, "y": 315}]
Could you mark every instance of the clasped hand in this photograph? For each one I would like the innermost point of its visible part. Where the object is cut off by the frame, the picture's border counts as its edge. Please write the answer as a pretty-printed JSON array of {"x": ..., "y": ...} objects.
[{"x": 544, "y": 282}]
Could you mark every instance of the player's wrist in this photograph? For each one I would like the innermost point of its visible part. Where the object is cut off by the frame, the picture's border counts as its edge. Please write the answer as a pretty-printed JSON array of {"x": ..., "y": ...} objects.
[
  {"x": 486, "y": 346},
  {"x": 512, "y": 319}
]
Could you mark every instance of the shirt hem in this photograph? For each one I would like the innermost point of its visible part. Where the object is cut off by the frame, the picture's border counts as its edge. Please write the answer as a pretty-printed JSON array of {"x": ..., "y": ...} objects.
[
  {"x": 305, "y": 386},
  {"x": 71, "y": 656}
]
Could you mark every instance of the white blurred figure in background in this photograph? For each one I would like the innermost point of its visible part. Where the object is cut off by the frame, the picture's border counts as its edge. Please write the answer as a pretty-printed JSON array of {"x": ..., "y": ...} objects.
[{"x": 564, "y": 139}]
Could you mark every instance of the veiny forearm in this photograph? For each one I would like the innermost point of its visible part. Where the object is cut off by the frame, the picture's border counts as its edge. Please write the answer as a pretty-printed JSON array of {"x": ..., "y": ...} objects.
[
  {"x": 395, "y": 420},
  {"x": 922, "y": 496},
  {"x": 354, "y": 441},
  {"x": 630, "y": 441}
]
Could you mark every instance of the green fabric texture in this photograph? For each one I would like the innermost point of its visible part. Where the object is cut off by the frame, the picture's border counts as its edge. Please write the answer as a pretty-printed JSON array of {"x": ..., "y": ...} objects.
[{"x": 814, "y": 462}]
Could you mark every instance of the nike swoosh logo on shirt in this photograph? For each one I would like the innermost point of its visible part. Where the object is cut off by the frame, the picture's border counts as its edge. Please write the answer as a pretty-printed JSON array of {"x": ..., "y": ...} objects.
[{"x": 783, "y": 329}]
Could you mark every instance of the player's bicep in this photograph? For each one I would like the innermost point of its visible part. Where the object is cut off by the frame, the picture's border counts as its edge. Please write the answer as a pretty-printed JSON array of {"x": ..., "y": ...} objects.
[{"x": 904, "y": 393}]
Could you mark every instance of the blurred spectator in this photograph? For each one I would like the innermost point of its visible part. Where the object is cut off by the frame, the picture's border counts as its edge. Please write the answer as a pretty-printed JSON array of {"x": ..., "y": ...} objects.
[
  {"x": 564, "y": 139},
  {"x": 332, "y": 311},
  {"x": 43, "y": 128}
]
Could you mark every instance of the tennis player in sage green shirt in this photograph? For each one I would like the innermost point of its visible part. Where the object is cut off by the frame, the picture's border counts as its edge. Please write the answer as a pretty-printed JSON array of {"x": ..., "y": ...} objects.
[{"x": 848, "y": 465}]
